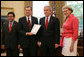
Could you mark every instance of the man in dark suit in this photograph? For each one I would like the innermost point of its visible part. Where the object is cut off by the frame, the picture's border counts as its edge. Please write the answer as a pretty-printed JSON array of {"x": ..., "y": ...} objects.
[
  {"x": 10, "y": 36},
  {"x": 49, "y": 33},
  {"x": 27, "y": 39}
]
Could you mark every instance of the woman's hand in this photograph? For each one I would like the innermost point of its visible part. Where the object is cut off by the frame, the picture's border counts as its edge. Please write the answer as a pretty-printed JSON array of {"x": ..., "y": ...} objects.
[{"x": 71, "y": 48}]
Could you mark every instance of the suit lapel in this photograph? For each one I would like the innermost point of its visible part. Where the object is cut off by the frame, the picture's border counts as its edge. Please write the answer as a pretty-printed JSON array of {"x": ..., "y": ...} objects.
[
  {"x": 26, "y": 22},
  {"x": 7, "y": 26},
  {"x": 44, "y": 23},
  {"x": 32, "y": 21},
  {"x": 50, "y": 21},
  {"x": 14, "y": 23}
]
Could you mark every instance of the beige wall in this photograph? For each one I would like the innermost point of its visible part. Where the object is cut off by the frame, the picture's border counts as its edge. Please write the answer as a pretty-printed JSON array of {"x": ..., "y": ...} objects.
[
  {"x": 17, "y": 5},
  {"x": 19, "y": 8}
]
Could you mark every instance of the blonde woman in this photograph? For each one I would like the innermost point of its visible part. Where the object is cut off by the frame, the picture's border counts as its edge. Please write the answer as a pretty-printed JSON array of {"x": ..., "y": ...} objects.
[{"x": 70, "y": 32}]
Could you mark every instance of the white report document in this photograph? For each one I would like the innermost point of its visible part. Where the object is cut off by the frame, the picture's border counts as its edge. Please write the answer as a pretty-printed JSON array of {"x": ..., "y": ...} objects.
[{"x": 35, "y": 29}]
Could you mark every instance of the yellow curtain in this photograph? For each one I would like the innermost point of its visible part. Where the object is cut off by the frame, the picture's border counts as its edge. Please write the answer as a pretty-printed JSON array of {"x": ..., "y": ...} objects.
[{"x": 58, "y": 8}]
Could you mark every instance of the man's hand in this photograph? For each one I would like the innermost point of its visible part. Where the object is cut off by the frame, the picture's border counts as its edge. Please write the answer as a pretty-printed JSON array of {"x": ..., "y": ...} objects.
[
  {"x": 29, "y": 33},
  {"x": 19, "y": 46},
  {"x": 39, "y": 43},
  {"x": 56, "y": 45},
  {"x": 2, "y": 46}
]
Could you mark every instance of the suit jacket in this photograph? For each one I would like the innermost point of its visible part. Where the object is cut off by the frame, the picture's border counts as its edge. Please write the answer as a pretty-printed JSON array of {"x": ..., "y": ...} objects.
[
  {"x": 23, "y": 28},
  {"x": 52, "y": 35},
  {"x": 10, "y": 39}
]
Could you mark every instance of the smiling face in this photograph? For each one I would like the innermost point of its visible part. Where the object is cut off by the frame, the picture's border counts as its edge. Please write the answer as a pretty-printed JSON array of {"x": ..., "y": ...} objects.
[
  {"x": 66, "y": 12},
  {"x": 47, "y": 11},
  {"x": 10, "y": 17},
  {"x": 28, "y": 11}
]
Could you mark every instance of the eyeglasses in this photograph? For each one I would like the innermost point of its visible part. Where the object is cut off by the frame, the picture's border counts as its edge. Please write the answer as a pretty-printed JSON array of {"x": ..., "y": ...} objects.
[{"x": 10, "y": 16}]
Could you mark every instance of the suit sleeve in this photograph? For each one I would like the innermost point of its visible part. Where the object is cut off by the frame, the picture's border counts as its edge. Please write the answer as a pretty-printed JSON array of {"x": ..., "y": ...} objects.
[
  {"x": 21, "y": 31},
  {"x": 36, "y": 21},
  {"x": 39, "y": 32},
  {"x": 17, "y": 33},
  {"x": 57, "y": 31},
  {"x": 3, "y": 34},
  {"x": 75, "y": 29}
]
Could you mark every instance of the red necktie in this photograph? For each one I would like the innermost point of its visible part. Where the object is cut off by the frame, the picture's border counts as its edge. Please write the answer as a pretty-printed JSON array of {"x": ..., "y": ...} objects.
[
  {"x": 29, "y": 23},
  {"x": 10, "y": 27},
  {"x": 46, "y": 23}
]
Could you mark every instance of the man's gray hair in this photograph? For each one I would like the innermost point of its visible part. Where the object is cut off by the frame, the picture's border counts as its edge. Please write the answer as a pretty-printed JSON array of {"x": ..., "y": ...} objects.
[{"x": 50, "y": 8}]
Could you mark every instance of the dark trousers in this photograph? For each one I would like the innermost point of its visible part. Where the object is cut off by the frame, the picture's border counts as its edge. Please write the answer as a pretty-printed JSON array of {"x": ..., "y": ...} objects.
[
  {"x": 31, "y": 50},
  {"x": 47, "y": 50},
  {"x": 12, "y": 52}
]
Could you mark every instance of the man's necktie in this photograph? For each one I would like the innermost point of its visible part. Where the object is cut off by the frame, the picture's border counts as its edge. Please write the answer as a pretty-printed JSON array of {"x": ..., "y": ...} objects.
[
  {"x": 10, "y": 27},
  {"x": 46, "y": 23},
  {"x": 29, "y": 23}
]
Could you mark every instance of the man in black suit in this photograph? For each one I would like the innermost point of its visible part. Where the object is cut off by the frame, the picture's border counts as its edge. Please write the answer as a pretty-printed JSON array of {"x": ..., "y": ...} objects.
[
  {"x": 10, "y": 36},
  {"x": 49, "y": 33},
  {"x": 27, "y": 39}
]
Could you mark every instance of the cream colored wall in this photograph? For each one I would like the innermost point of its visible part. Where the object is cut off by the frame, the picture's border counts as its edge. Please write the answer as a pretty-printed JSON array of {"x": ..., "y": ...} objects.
[{"x": 17, "y": 5}]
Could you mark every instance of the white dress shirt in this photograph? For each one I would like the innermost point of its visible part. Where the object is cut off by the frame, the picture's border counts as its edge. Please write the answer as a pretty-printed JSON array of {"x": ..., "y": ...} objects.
[
  {"x": 29, "y": 19},
  {"x": 48, "y": 18}
]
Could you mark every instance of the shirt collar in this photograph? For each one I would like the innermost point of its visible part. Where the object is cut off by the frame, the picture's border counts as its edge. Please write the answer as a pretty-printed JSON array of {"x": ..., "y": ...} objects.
[
  {"x": 49, "y": 16},
  {"x": 29, "y": 17},
  {"x": 72, "y": 15},
  {"x": 12, "y": 22}
]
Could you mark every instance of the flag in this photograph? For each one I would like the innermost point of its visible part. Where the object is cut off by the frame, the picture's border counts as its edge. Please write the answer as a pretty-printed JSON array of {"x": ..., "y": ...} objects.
[{"x": 54, "y": 12}]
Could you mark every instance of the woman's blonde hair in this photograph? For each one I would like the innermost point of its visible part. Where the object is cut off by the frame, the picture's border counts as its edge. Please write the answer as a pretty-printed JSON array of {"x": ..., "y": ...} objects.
[{"x": 67, "y": 7}]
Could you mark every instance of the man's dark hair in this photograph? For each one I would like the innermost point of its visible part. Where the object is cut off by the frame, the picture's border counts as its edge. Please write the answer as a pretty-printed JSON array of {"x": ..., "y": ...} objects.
[
  {"x": 28, "y": 7},
  {"x": 11, "y": 13}
]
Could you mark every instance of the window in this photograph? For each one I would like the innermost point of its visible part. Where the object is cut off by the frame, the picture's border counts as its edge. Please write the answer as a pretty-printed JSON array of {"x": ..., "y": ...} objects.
[
  {"x": 78, "y": 11},
  {"x": 38, "y": 8}
]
